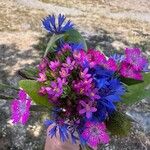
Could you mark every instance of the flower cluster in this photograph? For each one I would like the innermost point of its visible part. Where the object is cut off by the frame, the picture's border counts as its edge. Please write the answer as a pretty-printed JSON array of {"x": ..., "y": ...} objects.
[
  {"x": 133, "y": 64},
  {"x": 83, "y": 87}
]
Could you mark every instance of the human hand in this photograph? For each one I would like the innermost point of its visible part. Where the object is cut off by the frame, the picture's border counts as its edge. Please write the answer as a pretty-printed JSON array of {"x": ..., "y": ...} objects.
[{"x": 55, "y": 143}]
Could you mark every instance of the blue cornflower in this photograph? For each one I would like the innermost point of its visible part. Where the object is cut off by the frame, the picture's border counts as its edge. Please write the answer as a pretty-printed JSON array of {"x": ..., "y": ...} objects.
[
  {"x": 57, "y": 26},
  {"x": 118, "y": 57},
  {"x": 111, "y": 93},
  {"x": 110, "y": 90},
  {"x": 101, "y": 76},
  {"x": 60, "y": 127}
]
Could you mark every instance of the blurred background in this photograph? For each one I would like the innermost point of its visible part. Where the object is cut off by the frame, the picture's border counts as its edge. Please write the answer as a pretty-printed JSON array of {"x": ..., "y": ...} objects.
[{"x": 111, "y": 24}]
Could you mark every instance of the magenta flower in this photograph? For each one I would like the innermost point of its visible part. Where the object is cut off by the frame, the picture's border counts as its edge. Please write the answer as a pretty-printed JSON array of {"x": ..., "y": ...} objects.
[
  {"x": 84, "y": 74},
  {"x": 95, "y": 57},
  {"x": 53, "y": 65},
  {"x": 88, "y": 108},
  {"x": 20, "y": 108},
  {"x": 64, "y": 72},
  {"x": 80, "y": 57},
  {"x": 93, "y": 94},
  {"x": 55, "y": 90},
  {"x": 42, "y": 91},
  {"x": 43, "y": 64},
  {"x": 128, "y": 71},
  {"x": 94, "y": 134},
  {"x": 111, "y": 64},
  {"x": 66, "y": 47},
  {"x": 69, "y": 64},
  {"x": 42, "y": 77},
  {"x": 134, "y": 56},
  {"x": 83, "y": 86}
]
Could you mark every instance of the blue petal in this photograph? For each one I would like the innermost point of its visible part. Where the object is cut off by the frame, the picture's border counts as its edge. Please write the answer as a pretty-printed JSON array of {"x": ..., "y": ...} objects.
[
  {"x": 109, "y": 104},
  {"x": 113, "y": 98},
  {"x": 74, "y": 139},
  {"x": 50, "y": 25},
  {"x": 53, "y": 131},
  {"x": 47, "y": 122}
]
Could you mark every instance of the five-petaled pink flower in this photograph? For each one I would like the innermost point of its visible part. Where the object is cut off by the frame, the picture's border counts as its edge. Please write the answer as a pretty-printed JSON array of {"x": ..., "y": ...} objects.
[
  {"x": 53, "y": 65},
  {"x": 42, "y": 77},
  {"x": 88, "y": 108},
  {"x": 69, "y": 64}
]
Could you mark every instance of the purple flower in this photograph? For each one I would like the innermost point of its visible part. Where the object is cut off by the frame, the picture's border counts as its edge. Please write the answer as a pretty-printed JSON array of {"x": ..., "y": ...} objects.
[
  {"x": 20, "y": 108},
  {"x": 42, "y": 77},
  {"x": 83, "y": 86},
  {"x": 134, "y": 56},
  {"x": 43, "y": 64},
  {"x": 42, "y": 91},
  {"x": 88, "y": 108},
  {"x": 53, "y": 65},
  {"x": 64, "y": 73},
  {"x": 55, "y": 90},
  {"x": 93, "y": 94},
  {"x": 84, "y": 74},
  {"x": 95, "y": 57},
  {"x": 94, "y": 134},
  {"x": 80, "y": 57},
  {"x": 69, "y": 64},
  {"x": 110, "y": 64},
  {"x": 128, "y": 71},
  {"x": 66, "y": 47}
]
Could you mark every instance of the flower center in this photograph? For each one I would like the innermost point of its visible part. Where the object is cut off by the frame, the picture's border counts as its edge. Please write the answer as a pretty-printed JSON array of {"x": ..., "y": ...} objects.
[
  {"x": 22, "y": 107},
  {"x": 87, "y": 107}
]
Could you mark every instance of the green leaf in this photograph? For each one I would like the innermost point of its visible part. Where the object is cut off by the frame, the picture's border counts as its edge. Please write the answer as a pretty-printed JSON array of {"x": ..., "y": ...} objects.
[
  {"x": 138, "y": 91},
  {"x": 52, "y": 43},
  {"x": 118, "y": 124},
  {"x": 32, "y": 87},
  {"x": 75, "y": 37},
  {"x": 129, "y": 81}
]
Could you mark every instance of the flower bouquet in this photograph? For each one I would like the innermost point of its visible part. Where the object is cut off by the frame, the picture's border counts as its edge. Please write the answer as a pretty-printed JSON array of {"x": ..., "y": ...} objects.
[{"x": 82, "y": 89}]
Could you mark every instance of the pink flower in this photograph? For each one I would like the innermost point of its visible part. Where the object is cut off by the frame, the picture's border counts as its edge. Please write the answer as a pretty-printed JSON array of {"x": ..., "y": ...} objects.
[
  {"x": 69, "y": 64},
  {"x": 66, "y": 47},
  {"x": 93, "y": 94},
  {"x": 110, "y": 64},
  {"x": 88, "y": 108},
  {"x": 43, "y": 64},
  {"x": 64, "y": 73},
  {"x": 53, "y": 65},
  {"x": 42, "y": 91},
  {"x": 80, "y": 57},
  {"x": 83, "y": 86},
  {"x": 42, "y": 77},
  {"x": 55, "y": 90},
  {"x": 128, "y": 71},
  {"x": 20, "y": 108},
  {"x": 84, "y": 74},
  {"x": 95, "y": 57},
  {"x": 134, "y": 56},
  {"x": 94, "y": 134}
]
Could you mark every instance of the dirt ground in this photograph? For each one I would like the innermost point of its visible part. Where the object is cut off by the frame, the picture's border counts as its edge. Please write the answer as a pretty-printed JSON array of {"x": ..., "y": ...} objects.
[{"x": 113, "y": 25}]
